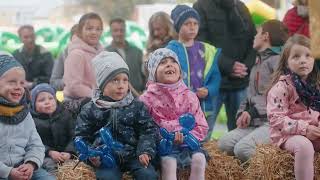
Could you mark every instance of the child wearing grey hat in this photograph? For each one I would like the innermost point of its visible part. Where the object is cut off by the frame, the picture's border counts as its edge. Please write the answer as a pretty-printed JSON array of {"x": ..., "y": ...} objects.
[
  {"x": 198, "y": 61},
  {"x": 21, "y": 152},
  {"x": 128, "y": 120}
]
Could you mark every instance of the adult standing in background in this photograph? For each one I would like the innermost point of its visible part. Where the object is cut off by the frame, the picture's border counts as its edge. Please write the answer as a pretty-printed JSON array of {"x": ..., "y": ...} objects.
[
  {"x": 35, "y": 59},
  {"x": 161, "y": 31},
  {"x": 297, "y": 18},
  {"x": 227, "y": 24},
  {"x": 131, "y": 54},
  {"x": 56, "y": 80}
]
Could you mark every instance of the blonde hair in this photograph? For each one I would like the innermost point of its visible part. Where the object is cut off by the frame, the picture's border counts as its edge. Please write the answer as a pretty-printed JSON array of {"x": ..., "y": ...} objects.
[
  {"x": 165, "y": 20},
  {"x": 296, "y": 39}
]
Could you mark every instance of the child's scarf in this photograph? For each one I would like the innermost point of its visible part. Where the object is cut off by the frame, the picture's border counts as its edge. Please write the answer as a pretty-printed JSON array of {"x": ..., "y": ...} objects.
[
  {"x": 13, "y": 113},
  {"x": 101, "y": 102},
  {"x": 307, "y": 91}
]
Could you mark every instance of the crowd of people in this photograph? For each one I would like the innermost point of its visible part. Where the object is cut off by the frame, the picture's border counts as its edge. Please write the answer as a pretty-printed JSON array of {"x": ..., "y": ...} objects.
[{"x": 196, "y": 59}]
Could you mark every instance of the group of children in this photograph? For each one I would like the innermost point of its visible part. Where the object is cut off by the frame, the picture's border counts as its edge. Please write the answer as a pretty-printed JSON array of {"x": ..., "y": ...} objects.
[{"x": 183, "y": 78}]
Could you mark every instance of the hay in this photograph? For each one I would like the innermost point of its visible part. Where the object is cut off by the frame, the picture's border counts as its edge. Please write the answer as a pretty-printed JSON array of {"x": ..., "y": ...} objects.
[
  {"x": 220, "y": 166},
  {"x": 81, "y": 172},
  {"x": 314, "y": 6},
  {"x": 270, "y": 162}
]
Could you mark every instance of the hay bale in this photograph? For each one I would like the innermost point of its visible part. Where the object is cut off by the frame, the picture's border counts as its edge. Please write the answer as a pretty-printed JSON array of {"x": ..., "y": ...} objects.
[
  {"x": 81, "y": 172},
  {"x": 270, "y": 162},
  {"x": 314, "y": 6},
  {"x": 220, "y": 166}
]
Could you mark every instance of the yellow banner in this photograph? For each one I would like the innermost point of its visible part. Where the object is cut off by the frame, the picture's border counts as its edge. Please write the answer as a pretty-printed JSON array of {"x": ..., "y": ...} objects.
[{"x": 314, "y": 10}]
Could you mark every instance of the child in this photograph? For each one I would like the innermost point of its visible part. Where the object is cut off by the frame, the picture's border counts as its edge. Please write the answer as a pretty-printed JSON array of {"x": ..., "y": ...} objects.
[
  {"x": 78, "y": 77},
  {"x": 167, "y": 98},
  {"x": 54, "y": 124},
  {"x": 198, "y": 60},
  {"x": 114, "y": 107},
  {"x": 21, "y": 149},
  {"x": 252, "y": 122},
  {"x": 293, "y": 105}
]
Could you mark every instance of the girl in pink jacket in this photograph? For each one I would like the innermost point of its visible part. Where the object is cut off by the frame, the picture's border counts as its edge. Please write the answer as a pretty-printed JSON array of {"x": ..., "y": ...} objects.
[
  {"x": 293, "y": 105},
  {"x": 78, "y": 76},
  {"x": 167, "y": 98}
]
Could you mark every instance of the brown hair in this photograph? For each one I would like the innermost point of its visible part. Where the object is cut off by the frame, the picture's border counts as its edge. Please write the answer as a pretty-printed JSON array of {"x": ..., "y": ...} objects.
[
  {"x": 84, "y": 19},
  {"x": 165, "y": 19},
  {"x": 117, "y": 20},
  {"x": 296, "y": 39},
  {"x": 278, "y": 32},
  {"x": 30, "y": 27}
]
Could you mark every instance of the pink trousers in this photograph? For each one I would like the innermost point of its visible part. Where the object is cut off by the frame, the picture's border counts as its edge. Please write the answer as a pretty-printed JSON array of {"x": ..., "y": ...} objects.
[{"x": 303, "y": 150}]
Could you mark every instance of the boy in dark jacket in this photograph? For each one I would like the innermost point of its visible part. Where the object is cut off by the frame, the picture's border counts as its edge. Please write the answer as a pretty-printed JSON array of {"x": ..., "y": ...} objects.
[
  {"x": 54, "y": 125},
  {"x": 128, "y": 120}
]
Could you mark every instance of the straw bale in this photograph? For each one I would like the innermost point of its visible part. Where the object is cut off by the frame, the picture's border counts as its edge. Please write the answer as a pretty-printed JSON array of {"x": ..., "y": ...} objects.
[
  {"x": 81, "y": 172},
  {"x": 273, "y": 163},
  {"x": 219, "y": 167}
]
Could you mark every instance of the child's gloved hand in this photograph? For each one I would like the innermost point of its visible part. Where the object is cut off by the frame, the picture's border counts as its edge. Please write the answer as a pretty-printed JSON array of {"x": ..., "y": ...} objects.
[
  {"x": 313, "y": 132},
  {"x": 178, "y": 138},
  {"x": 202, "y": 92},
  {"x": 56, "y": 156},
  {"x": 15, "y": 174},
  {"x": 144, "y": 159},
  {"x": 243, "y": 120},
  {"x": 95, "y": 161}
]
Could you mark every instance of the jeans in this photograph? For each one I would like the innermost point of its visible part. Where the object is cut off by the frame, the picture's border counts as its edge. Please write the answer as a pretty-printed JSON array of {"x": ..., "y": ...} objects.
[
  {"x": 231, "y": 100},
  {"x": 39, "y": 174},
  {"x": 138, "y": 171}
]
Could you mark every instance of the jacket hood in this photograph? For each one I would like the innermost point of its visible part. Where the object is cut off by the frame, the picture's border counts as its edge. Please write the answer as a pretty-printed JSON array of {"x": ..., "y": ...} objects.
[{"x": 78, "y": 43}]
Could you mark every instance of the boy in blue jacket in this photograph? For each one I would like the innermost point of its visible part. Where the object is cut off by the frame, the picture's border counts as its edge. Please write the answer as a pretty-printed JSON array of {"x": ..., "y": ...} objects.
[{"x": 198, "y": 60}]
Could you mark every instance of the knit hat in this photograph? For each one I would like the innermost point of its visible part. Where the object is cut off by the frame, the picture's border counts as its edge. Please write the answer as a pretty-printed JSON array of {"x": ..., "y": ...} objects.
[
  {"x": 8, "y": 62},
  {"x": 107, "y": 65},
  {"x": 43, "y": 87},
  {"x": 155, "y": 59},
  {"x": 181, "y": 13}
]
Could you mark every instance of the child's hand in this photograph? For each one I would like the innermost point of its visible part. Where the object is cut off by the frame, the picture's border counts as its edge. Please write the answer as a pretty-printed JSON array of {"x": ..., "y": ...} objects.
[
  {"x": 66, "y": 156},
  {"x": 56, "y": 156},
  {"x": 202, "y": 92},
  {"x": 27, "y": 169},
  {"x": 17, "y": 175},
  {"x": 243, "y": 120},
  {"x": 178, "y": 138},
  {"x": 313, "y": 132},
  {"x": 144, "y": 159},
  {"x": 95, "y": 161}
]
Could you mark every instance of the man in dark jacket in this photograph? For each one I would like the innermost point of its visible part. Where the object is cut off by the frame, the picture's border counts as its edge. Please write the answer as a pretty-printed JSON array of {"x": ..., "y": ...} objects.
[
  {"x": 35, "y": 59},
  {"x": 227, "y": 24},
  {"x": 132, "y": 55}
]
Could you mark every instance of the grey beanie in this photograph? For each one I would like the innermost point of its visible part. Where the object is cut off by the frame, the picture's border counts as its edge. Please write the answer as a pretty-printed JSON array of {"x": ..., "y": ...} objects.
[
  {"x": 8, "y": 62},
  {"x": 156, "y": 57},
  {"x": 107, "y": 65}
]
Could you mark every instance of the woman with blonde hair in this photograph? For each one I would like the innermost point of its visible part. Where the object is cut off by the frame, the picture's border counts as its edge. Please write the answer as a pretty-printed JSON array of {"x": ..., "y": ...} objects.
[{"x": 161, "y": 31}]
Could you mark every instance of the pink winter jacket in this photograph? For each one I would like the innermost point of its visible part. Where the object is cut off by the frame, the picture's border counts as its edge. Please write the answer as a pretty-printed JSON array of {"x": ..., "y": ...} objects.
[
  {"x": 167, "y": 102},
  {"x": 79, "y": 77},
  {"x": 287, "y": 115}
]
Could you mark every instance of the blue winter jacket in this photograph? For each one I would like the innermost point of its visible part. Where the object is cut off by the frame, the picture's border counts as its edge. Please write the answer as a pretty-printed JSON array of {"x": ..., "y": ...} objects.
[{"x": 211, "y": 77}]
